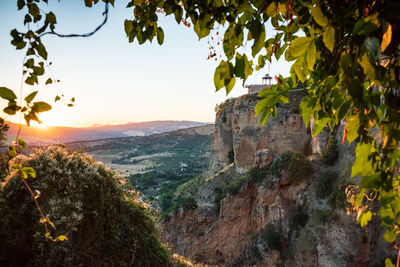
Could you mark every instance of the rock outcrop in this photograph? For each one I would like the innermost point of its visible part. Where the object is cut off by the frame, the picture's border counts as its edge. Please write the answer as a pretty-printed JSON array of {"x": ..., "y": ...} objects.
[
  {"x": 272, "y": 221},
  {"x": 238, "y": 132}
]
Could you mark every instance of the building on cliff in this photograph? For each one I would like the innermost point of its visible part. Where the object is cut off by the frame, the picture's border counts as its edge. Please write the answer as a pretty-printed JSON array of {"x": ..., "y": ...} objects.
[{"x": 256, "y": 88}]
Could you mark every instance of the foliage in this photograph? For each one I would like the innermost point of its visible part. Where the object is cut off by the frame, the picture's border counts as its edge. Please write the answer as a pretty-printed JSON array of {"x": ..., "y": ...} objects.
[
  {"x": 186, "y": 203},
  {"x": 298, "y": 219},
  {"x": 347, "y": 50},
  {"x": 330, "y": 153},
  {"x": 325, "y": 183},
  {"x": 219, "y": 195},
  {"x": 4, "y": 157},
  {"x": 221, "y": 106},
  {"x": 256, "y": 175},
  {"x": 272, "y": 237},
  {"x": 322, "y": 216},
  {"x": 104, "y": 224},
  {"x": 295, "y": 165}
]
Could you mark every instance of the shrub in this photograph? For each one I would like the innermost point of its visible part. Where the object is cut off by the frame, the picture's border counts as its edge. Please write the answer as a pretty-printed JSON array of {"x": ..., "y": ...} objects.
[
  {"x": 330, "y": 153},
  {"x": 105, "y": 224},
  {"x": 337, "y": 198},
  {"x": 184, "y": 203},
  {"x": 272, "y": 237},
  {"x": 256, "y": 175},
  {"x": 234, "y": 187},
  {"x": 294, "y": 163},
  {"x": 298, "y": 219},
  {"x": 218, "y": 197},
  {"x": 322, "y": 216},
  {"x": 325, "y": 183},
  {"x": 189, "y": 203}
]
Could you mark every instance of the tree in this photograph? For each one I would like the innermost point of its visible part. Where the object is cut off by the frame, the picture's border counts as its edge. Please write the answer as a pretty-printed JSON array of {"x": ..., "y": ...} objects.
[{"x": 346, "y": 50}]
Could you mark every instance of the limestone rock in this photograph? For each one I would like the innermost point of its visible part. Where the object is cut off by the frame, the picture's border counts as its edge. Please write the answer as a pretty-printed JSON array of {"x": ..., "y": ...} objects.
[{"x": 263, "y": 159}]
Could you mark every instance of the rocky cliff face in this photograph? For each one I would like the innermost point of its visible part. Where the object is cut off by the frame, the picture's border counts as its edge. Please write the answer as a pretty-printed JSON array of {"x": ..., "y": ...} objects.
[
  {"x": 238, "y": 132},
  {"x": 273, "y": 220}
]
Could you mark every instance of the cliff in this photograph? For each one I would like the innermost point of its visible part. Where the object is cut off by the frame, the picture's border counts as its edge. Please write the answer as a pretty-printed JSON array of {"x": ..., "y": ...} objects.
[
  {"x": 255, "y": 217},
  {"x": 237, "y": 130}
]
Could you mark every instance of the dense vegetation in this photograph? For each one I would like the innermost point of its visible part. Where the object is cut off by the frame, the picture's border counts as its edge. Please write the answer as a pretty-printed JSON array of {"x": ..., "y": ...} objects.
[
  {"x": 347, "y": 50},
  {"x": 293, "y": 164},
  {"x": 105, "y": 224}
]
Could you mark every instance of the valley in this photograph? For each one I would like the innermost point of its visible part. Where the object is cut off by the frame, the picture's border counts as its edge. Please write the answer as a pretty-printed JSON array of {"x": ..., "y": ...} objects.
[{"x": 157, "y": 164}]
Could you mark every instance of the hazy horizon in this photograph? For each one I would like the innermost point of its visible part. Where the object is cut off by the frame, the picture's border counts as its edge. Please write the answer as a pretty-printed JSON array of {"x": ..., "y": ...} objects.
[{"x": 114, "y": 81}]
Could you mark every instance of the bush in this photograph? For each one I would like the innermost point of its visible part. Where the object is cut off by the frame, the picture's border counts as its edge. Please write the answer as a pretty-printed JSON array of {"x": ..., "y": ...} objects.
[
  {"x": 218, "y": 197},
  {"x": 186, "y": 203},
  {"x": 337, "y": 198},
  {"x": 330, "y": 154},
  {"x": 322, "y": 216},
  {"x": 256, "y": 175},
  {"x": 294, "y": 163},
  {"x": 272, "y": 237},
  {"x": 105, "y": 224},
  {"x": 298, "y": 219},
  {"x": 325, "y": 183}
]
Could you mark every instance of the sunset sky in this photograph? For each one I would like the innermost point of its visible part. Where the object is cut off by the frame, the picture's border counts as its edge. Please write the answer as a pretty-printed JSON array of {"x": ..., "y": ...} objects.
[{"x": 112, "y": 80}]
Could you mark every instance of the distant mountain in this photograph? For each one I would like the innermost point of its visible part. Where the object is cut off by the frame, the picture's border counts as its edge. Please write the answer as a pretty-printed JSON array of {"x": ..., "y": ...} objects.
[
  {"x": 148, "y": 127},
  {"x": 41, "y": 136}
]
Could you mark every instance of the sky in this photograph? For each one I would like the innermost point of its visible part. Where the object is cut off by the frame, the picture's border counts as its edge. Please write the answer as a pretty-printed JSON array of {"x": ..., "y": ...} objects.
[{"x": 112, "y": 80}]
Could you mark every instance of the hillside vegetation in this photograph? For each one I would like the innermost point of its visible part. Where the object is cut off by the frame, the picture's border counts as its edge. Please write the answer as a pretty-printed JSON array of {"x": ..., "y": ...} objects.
[{"x": 106, "y": 224}]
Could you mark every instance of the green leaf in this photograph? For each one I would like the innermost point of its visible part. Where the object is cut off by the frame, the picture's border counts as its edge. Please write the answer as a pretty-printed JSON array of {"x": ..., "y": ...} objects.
[
  {"x": 264, "y": 116},
  {"x": 365, "y": 218},
  {"x": 363, "y": 164},
  {"x": 40, "y": 107},
  {"x": 29, "y": 171},
  {"x": 7, "y": 94},
  {"x": 258, "y": 42},
  {"x": 312, "y": 50},
  {"x": 299, "y": 46},
  {"x": 49, "y": 81},
  {"x": 368, "y": 68},
  {"x": 160, "y": 35},
  {"x": 319, "y": 125},
  {"x": 229, "y": 83},
  {"x": 20, "y": 4},
  {"x": 305, "y": 110},
  {"x": 390, "y": 236},
  {"x": 22, "y": 143},
  {"x": 301, "y": 69},
  {"x": 218, "y": 82},
  {"x": 41, "y": 51},
  {"x": 272, "y": 10},
  {"x": 328, "y": 37},
  {"x": 352, "y": 125},
  {"x": 30, "y": 97},
  {"x": 128, "y": 25},
  {"x": 370, "y": 181},
  {"x": 12, "y": 152},
  {"x": 11, "y": 109},
  {"x": 16, "y": 166},
  {"x": 57, "y": 98},
  {"x": 388, "y": 263},
  {"x": 366, "y": 25},
  {"x": 318, "y": 16}
]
